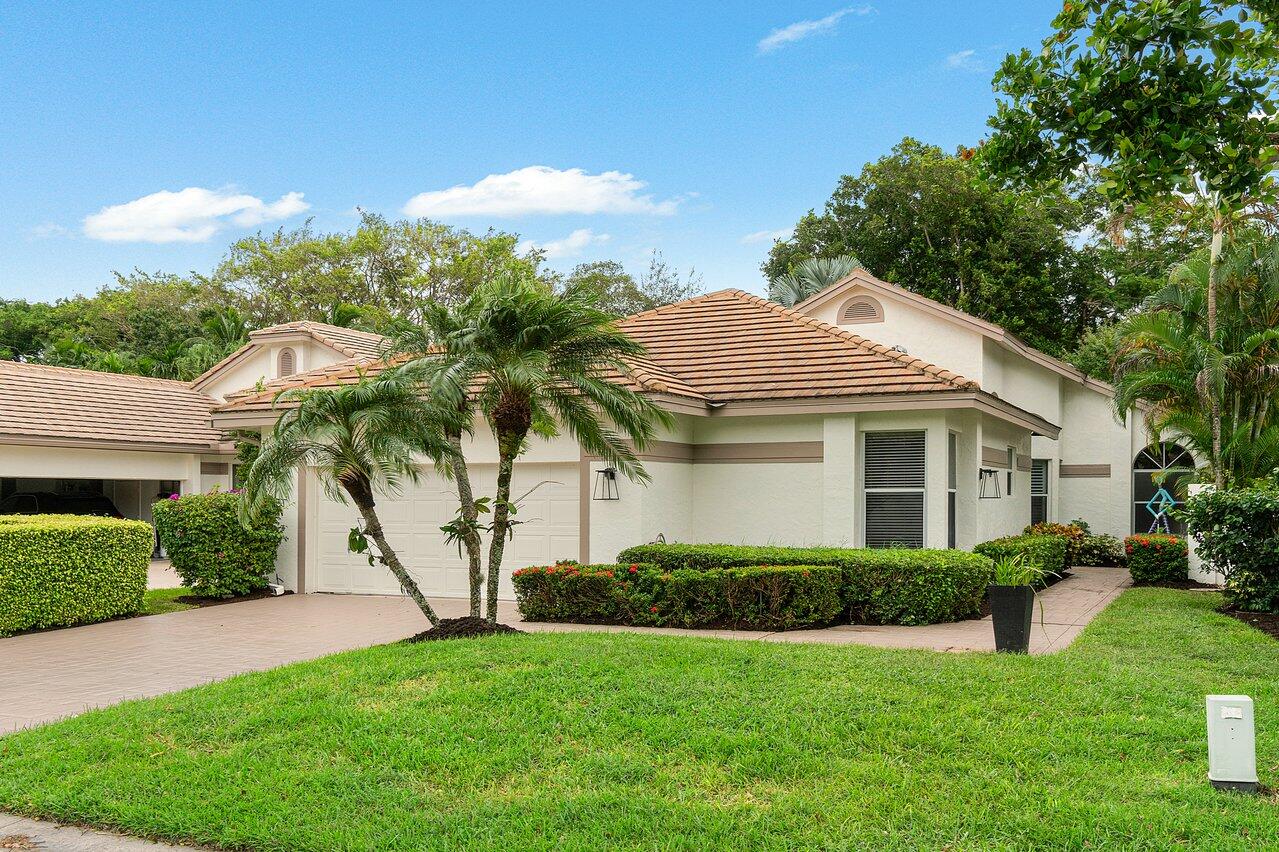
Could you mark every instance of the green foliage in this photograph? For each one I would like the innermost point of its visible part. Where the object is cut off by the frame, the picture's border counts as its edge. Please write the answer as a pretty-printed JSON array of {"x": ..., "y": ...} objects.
[
  {"x": 1045, "y": 552},
  {"x": 1237, "y": 533},
  {"x": 617, "y": 292},
  {"x": 810, "y": 277},
  {"x": 1160, "y": 95},
  {"x": 1156, "y": 558},
  {"x": 1096, "y": 352},
  {"x": 746, "y": 598},
  {"x": 928, "y": 221},
  {"x": 1170, "y": 364},
  {"x": 1072, "y": 533},
  {"x": 213, "y": 553},
  {"x": 879, "y": 586},
  {"x": 1103, "y": 551},
  {"x": 60, "y": 570},
  {"x": 1017, "y": 570}
]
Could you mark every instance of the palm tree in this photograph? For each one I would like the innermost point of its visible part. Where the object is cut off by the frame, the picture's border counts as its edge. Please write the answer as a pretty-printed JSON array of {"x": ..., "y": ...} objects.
[
  {"x": 1170, "y": 363},
  {"x": 809, "y": 277},
  {"x": 527, "y": 360},
  {"x": 361, "y": 439},
  {"x": 222, "y": 332}
]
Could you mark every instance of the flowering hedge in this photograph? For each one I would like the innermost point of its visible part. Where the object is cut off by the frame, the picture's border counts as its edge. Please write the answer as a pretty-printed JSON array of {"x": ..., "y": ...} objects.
[
  {"x": 1072, "y": 533},
  {"x": 59, "y": 570},
  {"x": 210, "y": 550},
  {"x": 751, "y": 598},
  {"x": 1156, "y": 558}
]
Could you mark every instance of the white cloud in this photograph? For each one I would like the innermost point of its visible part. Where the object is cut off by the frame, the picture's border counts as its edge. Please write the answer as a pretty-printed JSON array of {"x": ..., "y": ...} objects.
[
  {"x": 800, "y": 30},
  {"x": 965, "y": 60},
  {"x": 191, "y": 215},
  {"x": 766, "y": 236},
  {"x": 571, "y": 246},
  {"x": 45, "y": 230},
  {"x": 541, "y": 190}
]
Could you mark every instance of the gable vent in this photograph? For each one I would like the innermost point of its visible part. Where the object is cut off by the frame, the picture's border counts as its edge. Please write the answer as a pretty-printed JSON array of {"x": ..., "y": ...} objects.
[
  {"x": 860, "y": 309},
  {"x": 287, "y": 363}
]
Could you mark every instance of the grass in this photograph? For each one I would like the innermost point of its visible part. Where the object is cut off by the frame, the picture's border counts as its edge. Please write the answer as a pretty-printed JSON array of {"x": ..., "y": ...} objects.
[
  {"x": 160, "y": 601},
  {"x": 588, "y": 741}
]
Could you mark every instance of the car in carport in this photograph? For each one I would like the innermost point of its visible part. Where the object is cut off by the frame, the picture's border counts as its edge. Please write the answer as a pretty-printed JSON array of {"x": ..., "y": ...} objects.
[{"x": 48, "y": 503}]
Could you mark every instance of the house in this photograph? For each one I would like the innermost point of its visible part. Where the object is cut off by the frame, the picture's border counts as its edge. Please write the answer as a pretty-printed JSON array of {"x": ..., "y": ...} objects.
[
  {"x": 134, "y": 439},
  {"x": 866, "y": 416}
]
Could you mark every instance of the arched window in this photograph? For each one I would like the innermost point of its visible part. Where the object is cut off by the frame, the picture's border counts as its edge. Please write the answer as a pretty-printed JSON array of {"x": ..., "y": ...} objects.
[
  {"x": 860, "y": 309},
  {"x": 288, "y": 363},
  {"x": 1156, "y": 488}
]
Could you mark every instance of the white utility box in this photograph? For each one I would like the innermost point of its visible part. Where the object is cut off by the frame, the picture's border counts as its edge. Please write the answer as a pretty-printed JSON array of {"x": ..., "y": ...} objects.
[{"x": 1232, "y": 743}]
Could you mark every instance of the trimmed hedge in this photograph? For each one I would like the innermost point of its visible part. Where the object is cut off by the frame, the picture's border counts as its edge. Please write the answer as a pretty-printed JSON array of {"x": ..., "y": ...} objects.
[
  {"x": 60, "y": 570},
  {"x": 210, "y": 550},
  {"x": 1157, "y": 558},
  {"x": 1103, "y": 551},
  {"x": 878, "y": 586},
  {"x": 1048, "y": 552},
  {"x": 1237, "y": 533},
  {"x": 746, "y": 598},
  {"x": 1073, "y": 533}
]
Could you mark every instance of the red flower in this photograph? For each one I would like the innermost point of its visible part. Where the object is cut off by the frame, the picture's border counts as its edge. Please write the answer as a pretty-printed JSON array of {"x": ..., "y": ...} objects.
[
  {"x": 634, "y": 568},
  {"x": 652, "y": 609}
]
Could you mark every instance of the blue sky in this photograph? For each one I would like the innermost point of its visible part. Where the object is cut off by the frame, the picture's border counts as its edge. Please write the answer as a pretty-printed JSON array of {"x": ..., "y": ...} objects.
[{"x": 152, "y": 136}]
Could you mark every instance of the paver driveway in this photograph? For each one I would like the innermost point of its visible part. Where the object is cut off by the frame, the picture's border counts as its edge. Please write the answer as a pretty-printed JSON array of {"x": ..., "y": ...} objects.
[{"x": 45, "y": 676}]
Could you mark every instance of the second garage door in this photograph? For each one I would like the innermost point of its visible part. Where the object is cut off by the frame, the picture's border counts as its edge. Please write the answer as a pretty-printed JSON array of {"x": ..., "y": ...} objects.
[{"x": 548, "y": 531}]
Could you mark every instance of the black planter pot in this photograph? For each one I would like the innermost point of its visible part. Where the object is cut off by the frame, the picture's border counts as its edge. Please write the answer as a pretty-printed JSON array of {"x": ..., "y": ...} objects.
[{"x": 1010, "y": 609}]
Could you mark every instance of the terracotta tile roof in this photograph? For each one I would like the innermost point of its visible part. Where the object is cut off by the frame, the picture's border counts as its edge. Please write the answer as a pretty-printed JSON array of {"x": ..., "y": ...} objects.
[
  {"x": 721, "y": 347},
  {"x": 732, "y": 345},
  {"x": 53, "y": 404},
  {"x": 348, "y": 341}
]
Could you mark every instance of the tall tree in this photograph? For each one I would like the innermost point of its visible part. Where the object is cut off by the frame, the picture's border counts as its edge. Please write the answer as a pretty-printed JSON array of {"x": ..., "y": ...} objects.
[
  {"x": 619, "y": 293},
  {"x": 362, "y": 440},
  {"x": 928, "y": 221},
  {"x": 1162, "y": 97},
  {"x": 529, "y": 361}
]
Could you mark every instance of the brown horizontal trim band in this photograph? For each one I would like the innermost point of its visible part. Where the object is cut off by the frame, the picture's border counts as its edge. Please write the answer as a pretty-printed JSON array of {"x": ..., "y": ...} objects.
[
  {"x": 1081, "y": 471},
  {"x": 994, "y": 457},
  {"x": 764, "y": 452},
  {"x": 1023, "y": 463},
  {"x": 215, "y": 468}
]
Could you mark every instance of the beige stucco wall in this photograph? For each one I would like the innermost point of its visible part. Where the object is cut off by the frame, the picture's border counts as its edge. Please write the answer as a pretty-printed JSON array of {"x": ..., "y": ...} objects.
[{"x": 262, "y": 364}]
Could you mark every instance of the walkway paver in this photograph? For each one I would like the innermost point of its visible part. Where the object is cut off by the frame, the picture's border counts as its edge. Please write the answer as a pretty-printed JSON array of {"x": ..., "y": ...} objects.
[
  {"x": 21, "y": 833},
  {"x": 58, "y": 673}
]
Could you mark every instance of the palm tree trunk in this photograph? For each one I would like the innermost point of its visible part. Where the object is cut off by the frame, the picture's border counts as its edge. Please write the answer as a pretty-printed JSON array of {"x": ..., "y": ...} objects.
[
  {"x": 1214, "y": 261},
  {"x": 508, "y": 447},
  {"x": 470, "y": 517},
  {"x": 363, "y": 498}
]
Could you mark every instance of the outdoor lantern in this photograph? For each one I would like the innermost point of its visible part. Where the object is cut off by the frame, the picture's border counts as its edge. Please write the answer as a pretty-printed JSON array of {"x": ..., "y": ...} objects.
[
  {"x": 605, "y": 484},
  {"x": 989, "y": 479},
  {"x": 1232, "y": 743}
]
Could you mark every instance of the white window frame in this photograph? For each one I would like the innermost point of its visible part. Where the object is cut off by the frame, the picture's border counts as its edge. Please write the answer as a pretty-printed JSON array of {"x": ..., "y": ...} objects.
[{"x": 923, "y": 537}]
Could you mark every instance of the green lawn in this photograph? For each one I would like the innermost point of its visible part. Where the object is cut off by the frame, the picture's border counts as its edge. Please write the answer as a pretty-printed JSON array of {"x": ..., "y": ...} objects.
[
  {"x": 158, "y": 601},
  {"x": 589, "y": 741}
]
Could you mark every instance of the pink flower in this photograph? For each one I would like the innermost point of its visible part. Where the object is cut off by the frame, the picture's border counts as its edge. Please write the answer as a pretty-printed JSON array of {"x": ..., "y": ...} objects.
[{"x": 175, "y": 496}]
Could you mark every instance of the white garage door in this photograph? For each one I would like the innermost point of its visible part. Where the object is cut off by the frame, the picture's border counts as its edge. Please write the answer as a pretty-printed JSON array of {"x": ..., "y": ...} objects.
[{"x": 547, "y": 532}]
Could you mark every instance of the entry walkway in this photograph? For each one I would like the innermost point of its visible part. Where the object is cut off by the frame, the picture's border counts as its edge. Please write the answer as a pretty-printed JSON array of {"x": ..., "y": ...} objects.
[{"x": 58, "y": 673}]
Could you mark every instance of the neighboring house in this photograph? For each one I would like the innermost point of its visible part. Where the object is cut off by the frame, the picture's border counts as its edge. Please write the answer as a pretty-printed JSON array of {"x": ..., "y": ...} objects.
[
  {"x": 866, "y": 416},
  {"x": 133, "y": 439}
]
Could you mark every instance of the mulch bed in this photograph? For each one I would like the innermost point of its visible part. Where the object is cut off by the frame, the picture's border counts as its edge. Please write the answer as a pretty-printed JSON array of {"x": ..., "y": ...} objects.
[
  {"x": 199, "y": 600},
  {"x": 1191, "y": 585},
  {"x": 466, "y": 627},
  {"x": 1266, "y": 622}
]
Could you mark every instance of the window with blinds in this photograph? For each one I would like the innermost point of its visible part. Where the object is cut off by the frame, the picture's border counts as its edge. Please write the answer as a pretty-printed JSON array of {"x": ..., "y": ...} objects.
[
  {"x": 893, "y": 488},
  {"x": 1038, "y": 491}
]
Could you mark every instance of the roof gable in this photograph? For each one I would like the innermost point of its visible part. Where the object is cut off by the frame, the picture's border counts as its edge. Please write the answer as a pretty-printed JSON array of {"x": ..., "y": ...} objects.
[{"x": 347, "y": 342}]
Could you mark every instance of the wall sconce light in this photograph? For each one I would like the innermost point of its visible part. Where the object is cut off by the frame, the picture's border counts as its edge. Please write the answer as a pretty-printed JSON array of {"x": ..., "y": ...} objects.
[
  {"x": 989, "y": 480},
  {"x": 605, "y": 484}
]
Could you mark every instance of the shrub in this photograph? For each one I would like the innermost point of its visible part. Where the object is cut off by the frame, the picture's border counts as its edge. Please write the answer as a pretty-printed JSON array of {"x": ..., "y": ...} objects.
[
  {"x": 749, "y": 598},
  {"x": 59, "y": 570},
  {"x": 1072, "y": 533},
  {"x": 1104, "y": 551},
  {"x": 1046, "y": 552},
  {"x": 888, "y": 586},
  {"x": 1237, "y": 533},
  {"x": 211, "y": 551},
  {"x": 1156, "y": 558}
]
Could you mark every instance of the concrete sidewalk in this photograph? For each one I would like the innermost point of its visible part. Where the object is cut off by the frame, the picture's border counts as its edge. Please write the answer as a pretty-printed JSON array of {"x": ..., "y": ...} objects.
[
  {"x": 21, "y": 833},
  {"x": 59, "y": 673}
]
